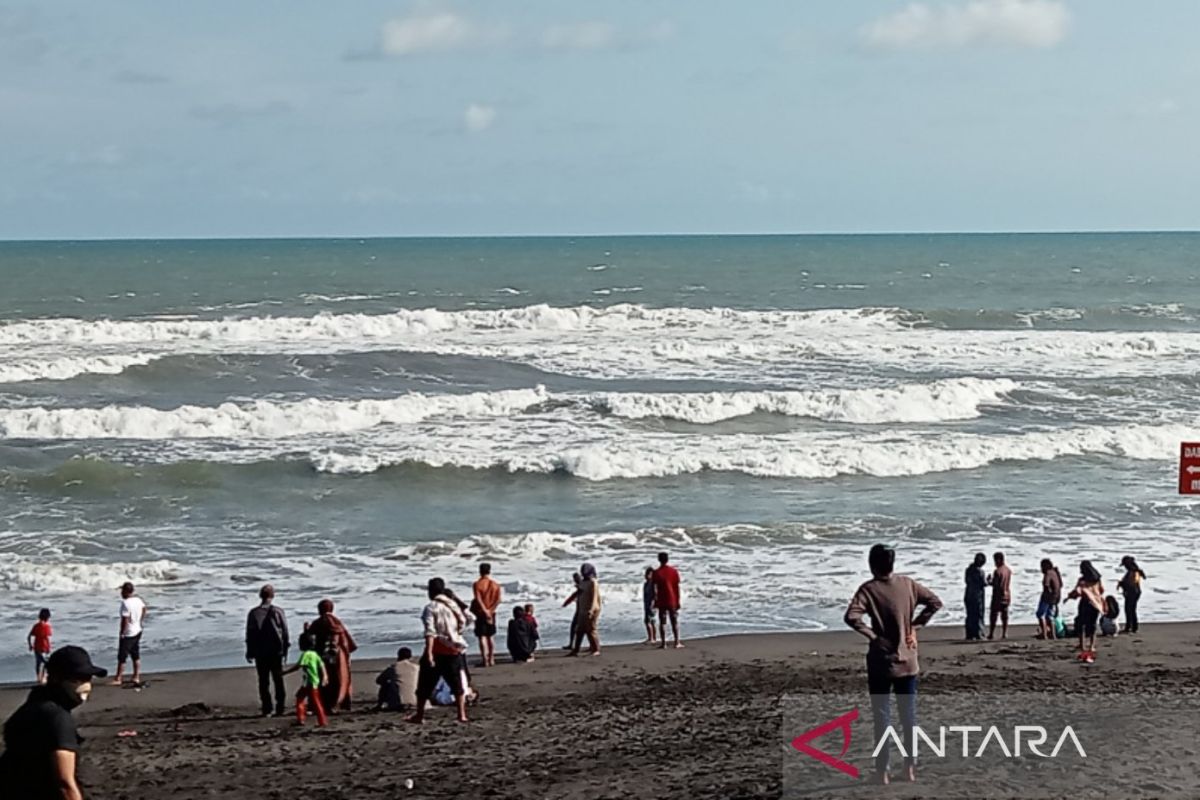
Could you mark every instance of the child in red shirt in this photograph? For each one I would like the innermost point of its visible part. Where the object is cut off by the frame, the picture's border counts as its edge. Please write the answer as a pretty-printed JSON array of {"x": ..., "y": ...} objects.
[{"x": 39, "y": 643}]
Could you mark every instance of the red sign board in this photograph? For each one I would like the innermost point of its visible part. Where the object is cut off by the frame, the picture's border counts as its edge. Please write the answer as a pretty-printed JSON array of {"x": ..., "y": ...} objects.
[{"x": 1189, "y": 468}]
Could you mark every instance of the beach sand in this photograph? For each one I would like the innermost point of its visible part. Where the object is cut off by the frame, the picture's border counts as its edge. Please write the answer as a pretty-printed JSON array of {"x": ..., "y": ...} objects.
[{"x": 703, "y": 722}]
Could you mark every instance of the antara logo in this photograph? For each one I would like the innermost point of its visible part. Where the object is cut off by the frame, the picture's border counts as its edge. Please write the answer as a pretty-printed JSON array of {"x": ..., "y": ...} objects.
[{"x": 1033, "y": 737}]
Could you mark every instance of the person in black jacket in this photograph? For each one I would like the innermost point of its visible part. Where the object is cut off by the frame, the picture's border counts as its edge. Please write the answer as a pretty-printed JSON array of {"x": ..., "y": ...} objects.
[{"x": 267, "y": 646}]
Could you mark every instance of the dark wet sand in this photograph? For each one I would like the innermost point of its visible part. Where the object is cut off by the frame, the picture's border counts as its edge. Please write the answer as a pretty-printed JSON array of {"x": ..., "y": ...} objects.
[{"x": 703, "y": 722}]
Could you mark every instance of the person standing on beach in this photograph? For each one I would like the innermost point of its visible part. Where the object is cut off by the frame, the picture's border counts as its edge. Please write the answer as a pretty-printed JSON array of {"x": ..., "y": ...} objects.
[
  {"x": 39, "y": 643},
  {"x": 1131, "y": 586},
  {"x": 1090, "y": 593},
  {"x": 648, "y": 606},
  {"x": 666, "y": 600},
  {"x": 974, "y": 597},
  {"x": 335, "y": 646},
  {"x": 1001, "y": 581},
  {"x": 891, "y": 601},
  {"x": 485, "y": 605},
  {"x": 443, "y": 621},
  {"x": 41, "y": 744},
  {"x": 129, "y": 641},
  {"x": 266, "y": 647},
  {"x": 577, "y": 579},
  {"x": 1047, "y": 610},
  {"x": 587, "y": 612}
]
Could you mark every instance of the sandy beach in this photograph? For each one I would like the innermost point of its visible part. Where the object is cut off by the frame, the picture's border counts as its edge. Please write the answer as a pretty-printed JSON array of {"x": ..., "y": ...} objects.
[{"x": 705, "y": 721}]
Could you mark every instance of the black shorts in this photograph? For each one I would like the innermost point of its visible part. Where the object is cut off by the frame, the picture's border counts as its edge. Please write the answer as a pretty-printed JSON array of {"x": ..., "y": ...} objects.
[
  {"x": 484, "y": 628},
  {"x": 129, "y": 647},
  {"x": 448, "y": 668}
]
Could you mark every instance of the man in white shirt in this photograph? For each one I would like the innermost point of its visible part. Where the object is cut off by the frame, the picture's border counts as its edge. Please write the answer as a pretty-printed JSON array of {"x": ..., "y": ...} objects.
[{"x": 133, "y": 616}]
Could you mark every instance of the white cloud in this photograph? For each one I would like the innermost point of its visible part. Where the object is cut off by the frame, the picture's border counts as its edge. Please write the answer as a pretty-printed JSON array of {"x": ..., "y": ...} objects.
[
  {"x": 423, "y": 33},
  {"x": 1021, "y": 23},
  {"x": 580, "y": 36},
  {"x": 479, "y": 118}
]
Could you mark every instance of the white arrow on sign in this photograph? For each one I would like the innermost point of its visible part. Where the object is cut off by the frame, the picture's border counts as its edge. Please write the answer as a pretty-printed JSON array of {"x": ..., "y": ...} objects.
[{"x": 1192, "y": 470}]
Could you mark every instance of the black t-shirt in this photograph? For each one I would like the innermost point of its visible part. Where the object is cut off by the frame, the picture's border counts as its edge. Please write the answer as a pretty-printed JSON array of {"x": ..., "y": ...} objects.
[{"x": 31, "y": 736}]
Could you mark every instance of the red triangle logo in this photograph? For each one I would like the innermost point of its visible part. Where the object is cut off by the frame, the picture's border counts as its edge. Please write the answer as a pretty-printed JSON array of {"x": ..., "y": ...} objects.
[{"x": 842, "y": 723}]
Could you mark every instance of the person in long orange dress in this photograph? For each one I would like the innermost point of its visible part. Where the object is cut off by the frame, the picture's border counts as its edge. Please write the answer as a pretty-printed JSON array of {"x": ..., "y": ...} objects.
[{"x": 335, "y": 645}]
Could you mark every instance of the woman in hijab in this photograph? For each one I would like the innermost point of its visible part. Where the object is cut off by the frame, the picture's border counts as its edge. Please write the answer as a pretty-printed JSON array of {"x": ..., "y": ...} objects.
[
  {"x": 577, "y": 579},
  {"x": 521, "y": 638},
  {"x": 1090, "y": 593},
  {"x": 587, "y": 611},
  {"x": 1131, "y": 587},
  {"x": 334, "y": 644}
]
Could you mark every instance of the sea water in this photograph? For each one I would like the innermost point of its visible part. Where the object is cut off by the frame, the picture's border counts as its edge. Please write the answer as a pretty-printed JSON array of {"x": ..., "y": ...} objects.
[{"x": 348, "y": 418}]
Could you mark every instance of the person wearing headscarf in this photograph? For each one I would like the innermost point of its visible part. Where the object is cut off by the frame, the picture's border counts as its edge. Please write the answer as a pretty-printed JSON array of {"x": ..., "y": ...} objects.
[
  {"x": 1131, "y": 586},
  {"x": 1090, "y": 593},
  {"x": 587, "y": 611},
  {"x": 974, "y": 596},
  {"x": 521, "y": 637},
  {"x": 335, "y": 645}
]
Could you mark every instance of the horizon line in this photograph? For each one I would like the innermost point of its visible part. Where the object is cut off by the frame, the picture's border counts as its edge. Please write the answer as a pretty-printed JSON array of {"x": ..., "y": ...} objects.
[{"x": 668, "y": 234}]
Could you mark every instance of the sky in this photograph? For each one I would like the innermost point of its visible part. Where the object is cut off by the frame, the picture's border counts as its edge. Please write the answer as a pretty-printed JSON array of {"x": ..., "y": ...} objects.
[{"x": 303, "y": 118}]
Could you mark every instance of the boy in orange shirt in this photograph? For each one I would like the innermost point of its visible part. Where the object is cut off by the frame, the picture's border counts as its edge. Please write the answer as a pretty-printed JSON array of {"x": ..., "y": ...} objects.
[{"x": 39, "y": 643}]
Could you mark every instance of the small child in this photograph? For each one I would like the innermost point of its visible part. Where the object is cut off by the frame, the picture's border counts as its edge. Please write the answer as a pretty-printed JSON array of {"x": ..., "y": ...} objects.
[
  {"x": 394, "y": 681},
  {"x": 533, "y": 623},
  {"x": 313, "y": 677},
  {"x": 648, "y": 607},
  {"x": 1108, "y": 620},
  {"x": 39, "y": 643}
]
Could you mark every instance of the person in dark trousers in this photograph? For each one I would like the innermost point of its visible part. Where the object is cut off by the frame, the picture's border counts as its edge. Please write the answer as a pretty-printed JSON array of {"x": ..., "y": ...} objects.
[
  {"x": 1131, "y": 586},
  {"x": 267, "y": 647},
  {"x": 41, "y": 744},
  {"x": 976, "y": 590},
  {"x": 891, "y": 601}
]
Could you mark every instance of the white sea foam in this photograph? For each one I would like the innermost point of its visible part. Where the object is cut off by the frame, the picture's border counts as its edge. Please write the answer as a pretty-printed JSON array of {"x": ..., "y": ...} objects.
[
  {"x": 794, "y": 455},
  {"x": 61, "y": 369},
  {"x": 945, "y": 400},
  {"x": 260, "y": 419},
  {"x": 19, "y": 573}
]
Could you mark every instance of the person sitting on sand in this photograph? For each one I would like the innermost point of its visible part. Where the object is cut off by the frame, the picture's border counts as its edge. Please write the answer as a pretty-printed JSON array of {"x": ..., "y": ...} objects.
[
  {"x": 485, "y": 605},
  {"x": 443, "y": 621},
  {"x": 666, "y": 600},
  {"x": 129, "y": 644},
  {"x": 1131, "y": 586},
  {"x": 1108, "y": 620},
  {"x": 533, "y": 623},
  {"x": 313, "y": 677},
  {"x": 974, "y": 596},
  {"x": 1090, "y": 593},
  {"x": 521, "y": 643},
  {"x": 890, "y": 601},
  {"x": 648, "y": 606},
  {"x": 398, "y": 683},
  {"x": 587, "y": 612},
  {"x": 1001, "y": 582},
  {"x": 577, "y": 579},
  {"x": 1047, "y": 610},
  {"x": 335, "y": 645}
]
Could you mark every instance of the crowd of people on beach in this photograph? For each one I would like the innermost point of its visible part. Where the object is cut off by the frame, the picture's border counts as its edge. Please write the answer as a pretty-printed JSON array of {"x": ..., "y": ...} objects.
[
  {"x": 42, "y": 731},
  {"x": 1097, "y": 613}
]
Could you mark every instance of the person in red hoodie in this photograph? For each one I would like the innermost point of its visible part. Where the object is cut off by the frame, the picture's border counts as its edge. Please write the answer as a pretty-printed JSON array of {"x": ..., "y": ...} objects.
[
  {"x": 39, "y": 643},
  {"x": 666, "y": 599}
]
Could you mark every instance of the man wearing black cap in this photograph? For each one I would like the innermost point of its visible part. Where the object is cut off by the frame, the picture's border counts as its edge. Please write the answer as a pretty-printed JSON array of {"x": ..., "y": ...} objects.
[{"x": 40, "y": 740}]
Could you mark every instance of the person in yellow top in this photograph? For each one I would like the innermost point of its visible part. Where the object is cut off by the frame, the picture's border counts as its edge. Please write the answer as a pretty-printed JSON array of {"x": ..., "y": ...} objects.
[{"x": 1131, "y": 587}]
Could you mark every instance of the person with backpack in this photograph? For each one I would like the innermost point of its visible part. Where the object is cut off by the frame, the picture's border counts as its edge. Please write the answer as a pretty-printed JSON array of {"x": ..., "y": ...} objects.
[
  {"x": 1131, "y": 586},
  {"x": 266, "y": 648},
  {"x": 442, "y": 660},
  {"x": 1047, "y": 610}
]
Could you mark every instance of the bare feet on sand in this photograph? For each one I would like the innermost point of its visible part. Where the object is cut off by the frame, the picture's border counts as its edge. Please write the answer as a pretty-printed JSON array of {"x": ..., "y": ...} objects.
[
  {"x": 910, "y": 774},
  {"x": 882, "y": 778}
]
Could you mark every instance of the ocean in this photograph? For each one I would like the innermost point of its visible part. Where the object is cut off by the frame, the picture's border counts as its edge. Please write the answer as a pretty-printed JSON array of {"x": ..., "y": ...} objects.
[{"x": 348, "y": 418}]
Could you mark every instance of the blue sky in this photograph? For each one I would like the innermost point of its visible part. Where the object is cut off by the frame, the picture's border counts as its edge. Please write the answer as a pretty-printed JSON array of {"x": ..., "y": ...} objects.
[{"x": 544, "y": 117}]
